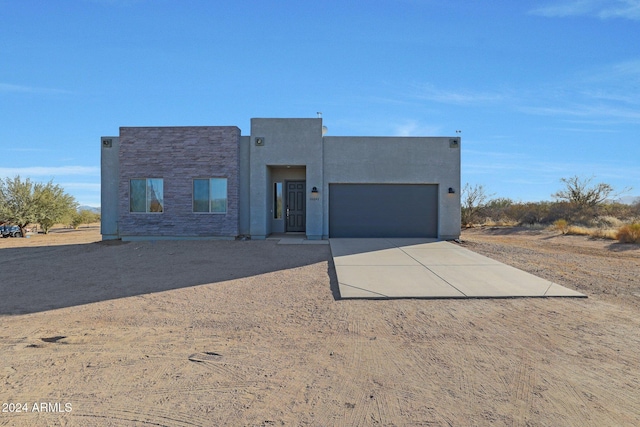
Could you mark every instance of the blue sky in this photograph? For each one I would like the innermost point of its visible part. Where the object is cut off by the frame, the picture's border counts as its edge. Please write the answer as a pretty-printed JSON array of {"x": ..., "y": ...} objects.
[{"x": 540, "y": 89}]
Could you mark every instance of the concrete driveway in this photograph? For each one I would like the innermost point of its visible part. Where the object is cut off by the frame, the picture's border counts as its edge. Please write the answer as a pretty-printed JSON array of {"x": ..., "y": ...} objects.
[{"x": 427, "y": 268}]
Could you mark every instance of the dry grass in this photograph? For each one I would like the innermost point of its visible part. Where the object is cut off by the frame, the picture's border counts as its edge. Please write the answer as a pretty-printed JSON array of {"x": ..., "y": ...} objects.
[
  {"x": 605, "y": 233},
  {"x": 606, "y": 227},
  {"x": 608, "y": 221},
  {"x": 505, "y": 222},
  {"x": 609, "y": 230},
  {"x": 629, "y": 233},
  {"x": 595, "y": 232},
  {"x": 561, "y": 225}
]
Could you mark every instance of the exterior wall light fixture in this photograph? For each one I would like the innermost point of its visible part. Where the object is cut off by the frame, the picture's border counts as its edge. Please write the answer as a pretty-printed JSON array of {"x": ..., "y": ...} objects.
[
  {"x": 451, "y": 190},
  {"x": 314, "y": 193}
]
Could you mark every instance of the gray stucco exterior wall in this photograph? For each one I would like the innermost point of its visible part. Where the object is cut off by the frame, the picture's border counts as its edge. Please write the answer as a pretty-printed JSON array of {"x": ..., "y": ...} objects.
[
  {"x": 276, "y": 151},
  {"x": 109, "y": 176},
  {"x": 179, "y": 155},
  {"x": 245, "y": 193},
  {"x": 401, "y": 160},
  {"x": 284, "y": 142}
]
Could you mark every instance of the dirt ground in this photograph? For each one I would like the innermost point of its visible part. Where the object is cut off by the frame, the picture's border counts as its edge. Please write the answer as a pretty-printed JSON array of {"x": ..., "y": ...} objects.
[{"x": 251, "y": 333}]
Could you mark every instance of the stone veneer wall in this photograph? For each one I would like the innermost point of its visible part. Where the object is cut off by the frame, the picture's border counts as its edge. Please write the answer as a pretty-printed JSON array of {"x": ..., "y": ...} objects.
[{"x": 178, "y": 155}]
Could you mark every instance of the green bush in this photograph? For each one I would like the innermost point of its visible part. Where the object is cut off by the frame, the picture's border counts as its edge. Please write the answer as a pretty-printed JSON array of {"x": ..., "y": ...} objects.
[
  {"x": 629, "y": 233},
  {"x": 83, "y": 217}
]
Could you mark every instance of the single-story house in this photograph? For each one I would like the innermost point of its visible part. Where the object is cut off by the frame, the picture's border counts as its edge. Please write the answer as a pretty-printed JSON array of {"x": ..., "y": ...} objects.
[{"x": 205, "y": 182}]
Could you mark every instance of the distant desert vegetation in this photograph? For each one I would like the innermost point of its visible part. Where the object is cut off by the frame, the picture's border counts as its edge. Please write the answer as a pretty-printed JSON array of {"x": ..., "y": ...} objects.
[{"x": 580, "y": 208}]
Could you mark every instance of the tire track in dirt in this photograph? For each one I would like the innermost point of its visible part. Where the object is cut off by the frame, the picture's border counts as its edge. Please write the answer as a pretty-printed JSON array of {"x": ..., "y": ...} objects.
[
  {"x": 372, "y": 353},
  {"x": 145, "y": 416},
  {"x": 289, "y": 391},
  {"x": 113, "y": 415},
  {"x": 590, "y": 394},
  {"x": 423, "y": 340},
  {"x": 431, "y": 362},
  {"x": 346, "y": 349},
  {"x": 570, "y": 403},
  {"x": 330, "y": 381},
  {"x": 524, "y": 381}
]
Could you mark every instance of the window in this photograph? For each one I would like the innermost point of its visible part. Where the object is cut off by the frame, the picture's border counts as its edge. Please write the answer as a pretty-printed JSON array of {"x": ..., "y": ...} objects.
[
  {"x": 146, "y": 195},
  {"x": 210, "y": 195},
  {"x": 277, "y": 200}
]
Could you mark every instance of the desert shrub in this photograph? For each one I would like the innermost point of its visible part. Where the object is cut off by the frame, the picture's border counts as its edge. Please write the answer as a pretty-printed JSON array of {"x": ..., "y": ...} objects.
[
  {"x": 577, "y": 230},
  {"x": 496, "y": 210},
  {"x": 556, "y": 211},
  {"x": 604, "y": 233},
  {"x": 629, "y": 233},
  {"x": 506, "y": 212},
  {"x": 501, "y": 222},
  {"x": 635, "y": 208},
  {"x": 616, "y": 210},
  {"x": 473, "y": 200},
  {"x": 528, "y": 213},
  {"x": 608, "y": 221},
  {"x": 561, "y": 225}
]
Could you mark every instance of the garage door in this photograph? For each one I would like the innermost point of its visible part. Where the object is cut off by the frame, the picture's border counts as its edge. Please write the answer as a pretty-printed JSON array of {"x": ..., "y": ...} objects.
[{"x": 383, "y": 210}]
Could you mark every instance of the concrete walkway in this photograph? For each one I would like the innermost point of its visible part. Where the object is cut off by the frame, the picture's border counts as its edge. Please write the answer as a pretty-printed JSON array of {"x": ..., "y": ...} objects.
[
  {"x": 427, "y": 268},
  {"x": 295, "y": 239}
]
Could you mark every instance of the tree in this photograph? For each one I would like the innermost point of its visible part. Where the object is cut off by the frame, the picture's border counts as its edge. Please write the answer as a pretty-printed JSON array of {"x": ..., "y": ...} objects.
[
  {"x": 473, "y": 199},
  {"x": 84, "y": 216},
  {"x": 53, "y": 204},
  {"x": 25, "y": 202},
  {"x": 17, "y": 202},
  {"x": 583, "y": 196}
]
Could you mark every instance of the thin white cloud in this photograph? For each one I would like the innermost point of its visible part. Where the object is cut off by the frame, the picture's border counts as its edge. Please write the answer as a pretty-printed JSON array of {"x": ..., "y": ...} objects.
[
  {"x": 584, "y": 129},
  {"x": 562, "y": 9},
  {"x": 457, "y": 97},
  {"x": 28, "y": 149},
  {"x": 628, "y": 68},
  {"x": 415, "y": 128},
  {"x": 530, "y": 167},
  {"x": 7, "y": 87},
  {"x": 629, "y": 9},
  {"x": 80, "y": 186},
  {"x": 604, "y": 96},
  {"x": 510, "y": 157},
  {"x": 588, "y": 110},
  {"x": 49, "y": 171},
  {"x": 115, "y": 2},
  {"x": 625, "y": 75},
  {"x": 603, "y": 9}
]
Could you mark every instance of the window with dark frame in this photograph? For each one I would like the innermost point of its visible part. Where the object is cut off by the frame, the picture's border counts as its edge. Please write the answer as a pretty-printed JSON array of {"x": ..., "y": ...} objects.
[
  {"x": 277, "y": 200},
  {"x": 210, "y": 195},
  {"x": 146, "y": 195}
]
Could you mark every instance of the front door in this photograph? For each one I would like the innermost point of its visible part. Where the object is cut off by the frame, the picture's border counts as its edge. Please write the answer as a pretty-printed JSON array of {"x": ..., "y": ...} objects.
[{"x": 296, "y": 198}]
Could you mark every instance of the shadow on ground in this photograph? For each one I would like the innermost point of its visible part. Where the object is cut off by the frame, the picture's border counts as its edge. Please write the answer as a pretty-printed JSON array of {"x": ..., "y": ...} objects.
[
  {"x": 36, "y": 279},
  {"x": 507, "y": 230},
  {"x": 623, "y": 247}
]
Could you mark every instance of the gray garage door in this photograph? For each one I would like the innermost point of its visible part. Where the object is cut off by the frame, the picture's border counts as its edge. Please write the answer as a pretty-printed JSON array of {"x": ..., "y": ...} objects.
[{"x": 383, "y": 210}]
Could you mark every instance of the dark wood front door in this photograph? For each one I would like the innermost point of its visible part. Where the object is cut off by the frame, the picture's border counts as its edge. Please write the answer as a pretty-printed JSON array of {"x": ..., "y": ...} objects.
[{"x": 296, "y": 212}]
